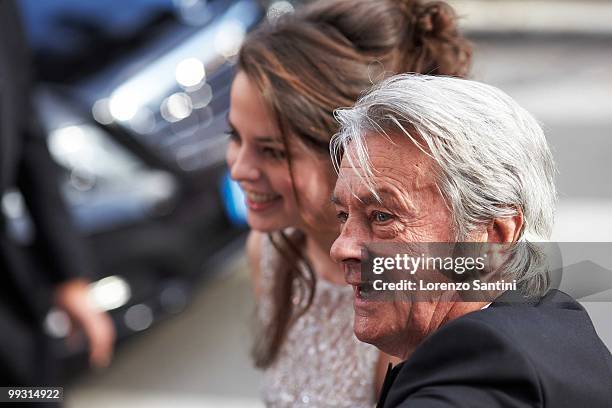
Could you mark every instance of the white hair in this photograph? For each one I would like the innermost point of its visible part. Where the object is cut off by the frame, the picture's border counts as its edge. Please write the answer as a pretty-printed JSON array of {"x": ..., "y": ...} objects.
[{"x": 491, "y": 154}]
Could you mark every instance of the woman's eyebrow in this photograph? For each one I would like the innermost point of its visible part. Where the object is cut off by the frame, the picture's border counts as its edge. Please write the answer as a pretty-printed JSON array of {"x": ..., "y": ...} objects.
[
  {"x": 266, "y": 139},
  {"x": 230, "y": 124},
  {"x": 259, "y": 139}
]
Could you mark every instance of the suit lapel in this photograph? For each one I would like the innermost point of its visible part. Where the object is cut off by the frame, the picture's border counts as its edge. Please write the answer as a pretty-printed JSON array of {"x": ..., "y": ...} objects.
[{"x": 390, "y": 377}]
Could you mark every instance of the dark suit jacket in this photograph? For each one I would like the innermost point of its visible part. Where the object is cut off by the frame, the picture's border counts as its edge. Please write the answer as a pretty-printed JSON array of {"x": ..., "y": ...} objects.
[
  {"x": 513, "y": 354},
  {"x": 25, "y": 164}
]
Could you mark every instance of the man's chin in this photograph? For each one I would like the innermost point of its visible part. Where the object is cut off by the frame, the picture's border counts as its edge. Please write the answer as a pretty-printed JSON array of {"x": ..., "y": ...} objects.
[{"x": 363, "y": 331}]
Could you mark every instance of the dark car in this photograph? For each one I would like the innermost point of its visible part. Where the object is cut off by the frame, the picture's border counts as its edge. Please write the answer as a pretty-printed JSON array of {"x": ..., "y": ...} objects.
[{"x": 134, "y": 95}]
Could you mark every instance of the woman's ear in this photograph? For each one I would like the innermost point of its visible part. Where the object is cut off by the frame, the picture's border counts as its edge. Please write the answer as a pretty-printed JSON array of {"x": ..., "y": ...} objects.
[{"x": 507, "y": 229}]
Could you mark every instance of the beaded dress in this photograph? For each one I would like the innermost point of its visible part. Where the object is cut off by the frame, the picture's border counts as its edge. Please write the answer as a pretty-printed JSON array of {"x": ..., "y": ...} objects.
[{"x": 321, "y": 363}]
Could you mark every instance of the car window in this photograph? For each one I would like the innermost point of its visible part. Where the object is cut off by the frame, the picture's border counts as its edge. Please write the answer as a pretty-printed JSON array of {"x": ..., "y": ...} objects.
[{"x": 72, "y": 39}]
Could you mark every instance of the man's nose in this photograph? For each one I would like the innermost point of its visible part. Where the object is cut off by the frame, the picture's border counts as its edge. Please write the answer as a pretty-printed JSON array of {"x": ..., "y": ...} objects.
[
  {"x": 242, "y": 165},
  {"x": 349, "y": 246},
  {"x": 348, "y": 250}
]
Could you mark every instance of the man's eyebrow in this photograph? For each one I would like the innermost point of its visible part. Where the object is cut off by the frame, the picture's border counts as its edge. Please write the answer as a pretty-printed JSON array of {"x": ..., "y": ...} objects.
[
  {"x": 386, "y": 198},
  {"x": 370, "y": 198}
]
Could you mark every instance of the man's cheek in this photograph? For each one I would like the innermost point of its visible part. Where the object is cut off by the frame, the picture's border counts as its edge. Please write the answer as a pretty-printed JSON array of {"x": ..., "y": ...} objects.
[{"x": 397, "y": 317}]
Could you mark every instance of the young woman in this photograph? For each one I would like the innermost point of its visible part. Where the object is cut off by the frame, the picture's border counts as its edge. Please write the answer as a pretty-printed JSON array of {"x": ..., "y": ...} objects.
[{"x": 292, "y": 74}]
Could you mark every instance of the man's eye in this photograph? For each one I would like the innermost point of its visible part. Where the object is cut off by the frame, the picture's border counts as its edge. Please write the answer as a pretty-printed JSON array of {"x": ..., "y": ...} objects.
[
  {"x": 342, "y": 217},
  {"x": 381, "y": 217}
]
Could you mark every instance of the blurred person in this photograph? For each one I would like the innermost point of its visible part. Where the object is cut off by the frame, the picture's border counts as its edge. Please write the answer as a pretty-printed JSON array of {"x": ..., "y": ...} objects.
[
  {"x": 59, "y": 258},
  {"x": 292, "y": 73},
  {"x": 451, "y": 160}
]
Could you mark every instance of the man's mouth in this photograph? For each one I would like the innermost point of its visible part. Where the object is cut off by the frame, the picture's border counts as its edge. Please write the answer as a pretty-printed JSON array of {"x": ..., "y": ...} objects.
[{"x": 363, "y": 290}]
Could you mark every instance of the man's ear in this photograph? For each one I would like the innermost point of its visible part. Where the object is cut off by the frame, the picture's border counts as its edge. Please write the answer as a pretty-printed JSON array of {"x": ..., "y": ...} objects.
[
  {"x": 500, "y": 234},
  {"x": 507, "y": 229}
]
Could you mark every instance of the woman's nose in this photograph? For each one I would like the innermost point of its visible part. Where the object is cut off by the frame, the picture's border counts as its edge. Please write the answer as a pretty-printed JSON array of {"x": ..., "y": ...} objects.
[{"x": 242, "y": 165}]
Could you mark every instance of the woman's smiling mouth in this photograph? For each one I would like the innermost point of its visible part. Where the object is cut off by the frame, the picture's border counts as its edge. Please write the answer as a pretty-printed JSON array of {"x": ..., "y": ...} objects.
[{"x": 260, "y": 201}]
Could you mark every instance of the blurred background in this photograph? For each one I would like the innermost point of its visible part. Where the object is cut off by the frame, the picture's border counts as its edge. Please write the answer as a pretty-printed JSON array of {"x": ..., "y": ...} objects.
[{"x": 134, "y": 96}]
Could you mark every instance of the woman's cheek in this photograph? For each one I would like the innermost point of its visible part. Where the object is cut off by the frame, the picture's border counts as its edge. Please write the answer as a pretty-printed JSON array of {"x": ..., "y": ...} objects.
[
  {"x": 315, "y": 196},
  {"x": 230, "y": 154},
  {"x": 280, "y": 180}
]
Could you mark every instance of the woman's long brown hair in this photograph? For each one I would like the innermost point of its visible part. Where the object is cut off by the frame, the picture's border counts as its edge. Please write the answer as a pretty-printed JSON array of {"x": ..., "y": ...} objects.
[{"x": 322, "y": 57}]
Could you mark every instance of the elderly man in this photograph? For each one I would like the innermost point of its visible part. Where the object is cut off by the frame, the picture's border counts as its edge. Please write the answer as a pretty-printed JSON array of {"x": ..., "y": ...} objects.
[{"x": 432, "y": 159}]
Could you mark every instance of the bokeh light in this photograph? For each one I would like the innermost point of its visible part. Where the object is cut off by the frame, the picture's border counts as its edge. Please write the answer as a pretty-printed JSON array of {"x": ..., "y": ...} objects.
[{"x": 190, "y": 72}]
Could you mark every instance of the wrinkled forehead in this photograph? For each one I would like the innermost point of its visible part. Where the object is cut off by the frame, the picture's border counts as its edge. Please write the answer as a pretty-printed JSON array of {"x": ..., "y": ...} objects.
[{"x": 391, "y": 161}]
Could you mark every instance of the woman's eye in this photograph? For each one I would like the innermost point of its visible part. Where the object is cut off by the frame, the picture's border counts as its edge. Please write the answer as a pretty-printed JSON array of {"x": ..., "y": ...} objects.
[
  {"x": 274, "y": 153},
  {"x": 342, "y": 217},
  {"x": 381, "y": 217},
  {"x": 233, "y": 135}
]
